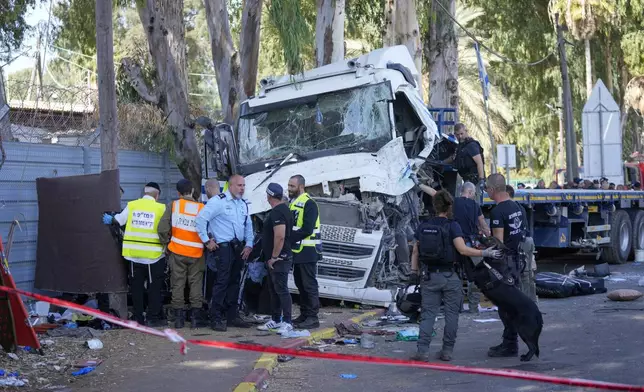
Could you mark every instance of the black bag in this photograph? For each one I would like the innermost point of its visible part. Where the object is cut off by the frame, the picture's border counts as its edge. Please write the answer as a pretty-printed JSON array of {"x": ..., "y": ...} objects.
[
  {"x": 434, "y": 244},
  {"x": 554, "y": 285}
]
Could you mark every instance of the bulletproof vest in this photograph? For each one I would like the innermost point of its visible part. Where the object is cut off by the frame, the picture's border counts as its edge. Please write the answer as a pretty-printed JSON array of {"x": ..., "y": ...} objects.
[
  {"x": 434, "y": 245},
  {"x": 465, "y": 164}
]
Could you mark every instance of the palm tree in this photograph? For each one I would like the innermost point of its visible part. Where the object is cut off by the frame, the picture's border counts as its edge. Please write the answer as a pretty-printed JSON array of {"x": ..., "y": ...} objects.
[
  {"x": 472, "y": 106},
  {"x": 583, "y": 18}
]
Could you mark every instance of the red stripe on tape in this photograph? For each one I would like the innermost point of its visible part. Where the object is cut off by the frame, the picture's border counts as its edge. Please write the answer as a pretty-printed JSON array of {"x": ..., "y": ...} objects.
[{"x": 173, "y": 336}]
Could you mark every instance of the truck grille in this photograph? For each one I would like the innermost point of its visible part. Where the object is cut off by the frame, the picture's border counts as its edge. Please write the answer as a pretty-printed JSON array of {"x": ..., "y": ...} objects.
[
  {"x": 338, "y": 233},
  {"x": 346, "y": 250},
  {"x": 339, "y": 273}
]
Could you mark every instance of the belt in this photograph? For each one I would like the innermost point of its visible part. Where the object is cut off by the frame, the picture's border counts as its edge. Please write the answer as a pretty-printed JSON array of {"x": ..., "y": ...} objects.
[
  {"x": 439, "y": 270},
  {"x": 223, "y": 244}
]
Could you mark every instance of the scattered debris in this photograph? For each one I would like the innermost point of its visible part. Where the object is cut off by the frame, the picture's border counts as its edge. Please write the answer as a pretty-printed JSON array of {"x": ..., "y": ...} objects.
[
  {"x": 624, "y": 295},
  {"x": 490, "y": 320},
  {"x": 408, "y": 334},
  {"x": 13, "y": 382},
  {"x": 47, "y": 342},
  {"x": 83, "y": 371},
  {"x": 367, "y": 341},
  {"x": 284, "y": 358},
  {"x": 348, "y": 376},
  {"x": 347, "y": 341},
  {"x": 296, "y": 334},
  {"x": 641, "y": 282},
  {"x": 13, "y": 356},
  {"x": 352, "y": 329},
  {"x": 88, "y": 363},
  {"x": 94, "y": 344}
]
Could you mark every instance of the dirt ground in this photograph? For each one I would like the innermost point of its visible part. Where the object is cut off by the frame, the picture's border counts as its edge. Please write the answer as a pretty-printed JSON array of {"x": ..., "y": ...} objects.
[
  {"x": 585, "y": 337},
  {"x": 134, "y": 361}
]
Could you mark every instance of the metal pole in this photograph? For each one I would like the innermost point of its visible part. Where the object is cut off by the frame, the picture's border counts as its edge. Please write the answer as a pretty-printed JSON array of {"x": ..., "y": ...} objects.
[
  {"x": 489, "y": 132},
  {"x": 507, "y": 165},
  {"x": 572, "y": 169}
]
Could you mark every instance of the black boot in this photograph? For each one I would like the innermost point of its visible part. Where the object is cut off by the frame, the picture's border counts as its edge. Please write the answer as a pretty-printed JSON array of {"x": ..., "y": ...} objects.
[
  {"x": 508, "y": 348},
  {"x": 218, "y": 325},
  {"x": 299, "y": 319},
  {"x": 309, "y": 323},
  {"x": 194, "y": 317},
  {"x": 179, "y": 318}
]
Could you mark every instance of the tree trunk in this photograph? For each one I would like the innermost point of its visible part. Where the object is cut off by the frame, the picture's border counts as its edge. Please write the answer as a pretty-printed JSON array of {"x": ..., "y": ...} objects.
[
  {"x": 108, "y": 120},
  {"x": 163, "y": 24},
  {"x": 249, "y": 44},
  {"x": 589, "y": 68},
  {"x": 441, "y": 54},
  {"x": 408, "y": 34},
  {"x": 225, "y": 59},
  {"x": 389, "y": 31},
  {"x": 107, "y": 117},
  {"x": 329, "y": 32},
  {"x": 608, "y": 57}
]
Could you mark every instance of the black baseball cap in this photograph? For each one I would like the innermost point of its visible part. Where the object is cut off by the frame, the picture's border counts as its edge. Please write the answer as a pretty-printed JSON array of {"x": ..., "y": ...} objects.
[
  {"x": 275, "y": 190},
  {"x": 153, "y": 185}
]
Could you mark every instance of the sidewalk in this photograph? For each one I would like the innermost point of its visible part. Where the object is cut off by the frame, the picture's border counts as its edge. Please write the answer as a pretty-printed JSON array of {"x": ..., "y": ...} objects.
[{"x": 154, "y": 364}]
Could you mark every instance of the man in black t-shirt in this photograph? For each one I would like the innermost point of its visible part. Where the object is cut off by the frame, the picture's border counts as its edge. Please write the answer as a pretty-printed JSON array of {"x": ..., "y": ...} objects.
[
  {"x": 508, "y": 223},
  {"x": 468, "y": 159},
  {"x": 276, "y": 234}
]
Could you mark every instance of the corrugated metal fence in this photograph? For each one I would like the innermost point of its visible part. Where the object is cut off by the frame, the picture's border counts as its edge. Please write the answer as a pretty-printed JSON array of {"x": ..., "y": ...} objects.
[{"x": 26, "y": 162}]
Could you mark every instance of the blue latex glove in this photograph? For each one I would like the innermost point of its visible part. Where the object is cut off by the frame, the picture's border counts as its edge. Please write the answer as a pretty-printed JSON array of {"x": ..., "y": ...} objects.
[{"x": 107, "y": 219}]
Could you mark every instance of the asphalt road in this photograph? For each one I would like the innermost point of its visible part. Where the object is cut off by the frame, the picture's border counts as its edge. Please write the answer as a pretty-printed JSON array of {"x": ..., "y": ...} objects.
[{"x": 584, "y": 337}]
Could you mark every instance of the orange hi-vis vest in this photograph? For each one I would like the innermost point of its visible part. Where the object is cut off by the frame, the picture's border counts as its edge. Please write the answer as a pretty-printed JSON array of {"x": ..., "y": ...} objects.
[{"x": 185, "y": 241}]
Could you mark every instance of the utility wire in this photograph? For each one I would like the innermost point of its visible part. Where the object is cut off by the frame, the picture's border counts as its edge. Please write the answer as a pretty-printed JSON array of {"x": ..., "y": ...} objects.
[{"x": 481, "y": 44}]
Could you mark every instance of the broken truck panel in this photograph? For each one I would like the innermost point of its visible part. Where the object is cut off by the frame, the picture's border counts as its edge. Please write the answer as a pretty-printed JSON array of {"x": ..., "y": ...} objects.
[{"x": 355, "y": 130}]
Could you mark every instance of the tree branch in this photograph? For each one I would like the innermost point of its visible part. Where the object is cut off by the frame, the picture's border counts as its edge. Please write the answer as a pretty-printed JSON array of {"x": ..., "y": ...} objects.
[{"x": 135, "y": 77}]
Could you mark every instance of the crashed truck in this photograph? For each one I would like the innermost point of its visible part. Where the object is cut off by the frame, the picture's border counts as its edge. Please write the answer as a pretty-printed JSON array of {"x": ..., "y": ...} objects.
[{"x": 354, "y": 129}]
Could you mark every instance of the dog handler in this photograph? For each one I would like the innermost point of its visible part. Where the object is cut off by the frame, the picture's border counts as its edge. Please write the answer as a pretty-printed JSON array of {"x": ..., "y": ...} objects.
[
  {"x": 437, "y": 241},
  {"x": 508, "y": 223}
]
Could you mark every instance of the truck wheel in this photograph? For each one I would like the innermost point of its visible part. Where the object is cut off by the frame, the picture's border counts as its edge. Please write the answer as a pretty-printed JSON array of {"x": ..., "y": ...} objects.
[
  {"x": 619, "y": 248},
  {"x": 637, "y": 222}
]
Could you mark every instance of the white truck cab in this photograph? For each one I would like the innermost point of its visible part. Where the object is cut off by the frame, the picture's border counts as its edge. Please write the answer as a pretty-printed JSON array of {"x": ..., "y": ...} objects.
[{"x": 353, "y": 129}]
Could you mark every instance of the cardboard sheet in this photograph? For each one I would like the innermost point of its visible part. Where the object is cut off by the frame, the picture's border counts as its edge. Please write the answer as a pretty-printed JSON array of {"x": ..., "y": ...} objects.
[{"x": 76, "y": 252}]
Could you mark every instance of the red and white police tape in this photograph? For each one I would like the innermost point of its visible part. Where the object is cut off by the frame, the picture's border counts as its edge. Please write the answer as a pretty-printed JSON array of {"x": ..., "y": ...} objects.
[{"x": 173, "y": 336}]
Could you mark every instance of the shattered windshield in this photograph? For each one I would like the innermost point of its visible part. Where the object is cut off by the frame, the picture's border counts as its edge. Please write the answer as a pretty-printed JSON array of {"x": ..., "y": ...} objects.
[{"x": 355, "y": 117}]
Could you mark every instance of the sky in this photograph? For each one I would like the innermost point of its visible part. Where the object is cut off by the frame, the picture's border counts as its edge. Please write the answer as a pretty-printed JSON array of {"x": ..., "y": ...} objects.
[{"x": 40, "y": 12}]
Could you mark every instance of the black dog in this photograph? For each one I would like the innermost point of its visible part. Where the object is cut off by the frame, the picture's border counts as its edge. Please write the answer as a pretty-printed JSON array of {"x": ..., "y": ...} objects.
[
  {"x": 522, "y": 312},
  {"x": 514, "y": 306}
]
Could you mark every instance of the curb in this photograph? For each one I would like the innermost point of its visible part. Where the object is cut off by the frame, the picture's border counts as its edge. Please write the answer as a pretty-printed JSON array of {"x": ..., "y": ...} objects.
[{"x": 265, "y": 365}]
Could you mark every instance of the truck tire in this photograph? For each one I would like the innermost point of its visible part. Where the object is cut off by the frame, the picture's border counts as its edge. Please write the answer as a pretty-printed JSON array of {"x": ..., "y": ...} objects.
[
  {"x": 637, "y": 222},
  {"x": 621, "y": 239}
]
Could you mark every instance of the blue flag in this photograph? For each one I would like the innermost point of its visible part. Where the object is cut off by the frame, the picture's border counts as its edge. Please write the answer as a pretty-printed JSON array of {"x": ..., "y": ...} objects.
[{"x": 485, "y": 82}]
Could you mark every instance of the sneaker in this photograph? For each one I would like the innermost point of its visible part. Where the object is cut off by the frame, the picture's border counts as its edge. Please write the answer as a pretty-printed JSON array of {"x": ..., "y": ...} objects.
[
  {"x": 269, "y": 325},
  {"x": 284, "y": 328}
]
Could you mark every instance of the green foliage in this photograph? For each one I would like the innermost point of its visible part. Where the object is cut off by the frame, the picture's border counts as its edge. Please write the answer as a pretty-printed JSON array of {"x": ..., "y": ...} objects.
[
  {"x": 13, "y": 26},
  {"x": 292, "y": 30},
  {"x": 633, "y": 48}
]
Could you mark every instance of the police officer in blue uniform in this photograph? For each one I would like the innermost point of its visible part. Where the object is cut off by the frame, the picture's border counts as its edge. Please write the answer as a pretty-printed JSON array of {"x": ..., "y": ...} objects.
[{"x": 227, "y": 219}]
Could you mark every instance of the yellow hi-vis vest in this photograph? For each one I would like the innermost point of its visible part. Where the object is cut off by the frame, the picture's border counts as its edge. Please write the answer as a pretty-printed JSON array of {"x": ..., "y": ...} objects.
[
  {"x": 141, "y": 239},
  {"x": 314, "y": 240}
]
